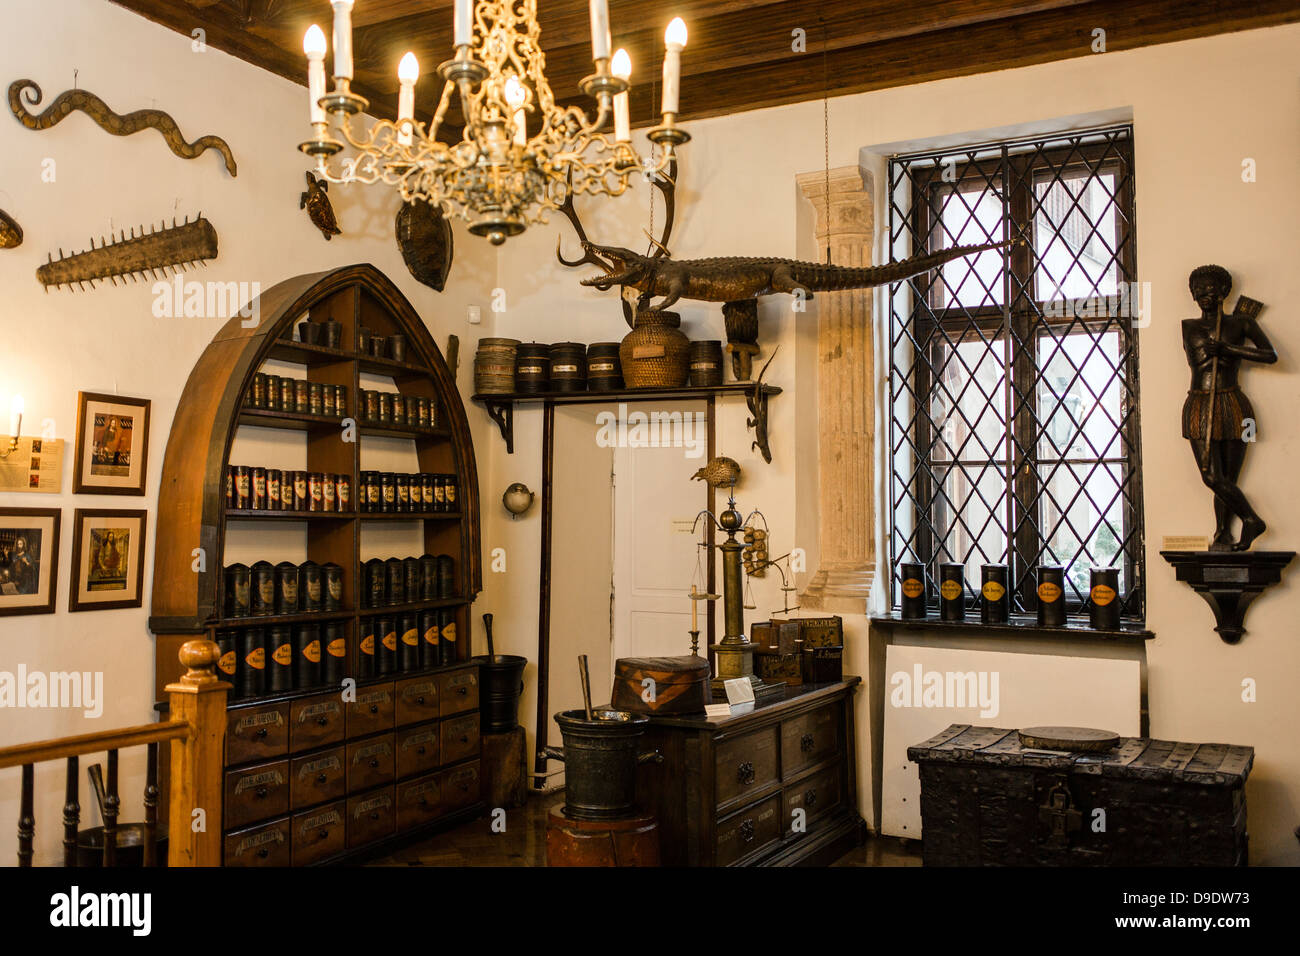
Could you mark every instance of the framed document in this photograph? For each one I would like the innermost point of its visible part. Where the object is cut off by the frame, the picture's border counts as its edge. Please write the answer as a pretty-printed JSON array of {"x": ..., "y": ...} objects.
[
  {"x": 107, "y": 559},
  {"x": 29, "y": 560},
  {"x": 112, "y": 444}
]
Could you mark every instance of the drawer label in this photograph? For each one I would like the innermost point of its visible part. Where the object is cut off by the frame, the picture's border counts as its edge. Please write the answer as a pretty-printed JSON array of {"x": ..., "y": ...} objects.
[
  {"x": 415, "y": 690},
  {"x": 271, "y": 778},
  {"x": 420, "y": 790},
  {"x": 374, "y": 697},
  {"x": 381, "y": 802},
  {"x": 319, "y": 765},
  {"x": 259, "y": 839},
  {"x": 328, "y": 818},
  {"x": 381, "y": 749},
  {"x": 259, "y": 720},
  {"x": 326, "y": 709},
  {"x": 467, "y": 679},
  {"x": 420, "y": 739}
]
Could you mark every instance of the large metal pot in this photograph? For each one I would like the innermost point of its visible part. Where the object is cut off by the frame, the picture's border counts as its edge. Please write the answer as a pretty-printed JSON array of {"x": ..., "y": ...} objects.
[
  {"x": 501, "y": 681},
  {"x": 600, "y": 760}
]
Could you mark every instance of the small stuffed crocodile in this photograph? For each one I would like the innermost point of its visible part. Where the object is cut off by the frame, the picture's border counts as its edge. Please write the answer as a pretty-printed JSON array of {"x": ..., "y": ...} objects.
[{"x": 316, "y": 201}]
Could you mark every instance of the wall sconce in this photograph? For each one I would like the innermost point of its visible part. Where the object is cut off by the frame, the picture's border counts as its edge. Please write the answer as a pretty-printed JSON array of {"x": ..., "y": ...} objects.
[
  {"x": 16, "y": 423},
  {"x": 517, "y": 499}
]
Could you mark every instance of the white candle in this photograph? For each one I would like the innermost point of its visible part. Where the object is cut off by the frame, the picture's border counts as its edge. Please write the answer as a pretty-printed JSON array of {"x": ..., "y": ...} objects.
[
  {"x": 463, "y": 29},
  {"x": 674, "y": 42},
  {"x": 408, "y": 71},
  {"x": 621, "y": 66},
  {"x": 601, "y": 40},
  {"x": 515, "y": 96},
  {"x": 342, "y": 39},
  {"x": 313, "y": 44}
]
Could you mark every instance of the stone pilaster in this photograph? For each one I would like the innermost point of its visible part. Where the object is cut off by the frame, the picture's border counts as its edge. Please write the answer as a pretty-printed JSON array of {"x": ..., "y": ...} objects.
[{"x": 845, "y": 364}]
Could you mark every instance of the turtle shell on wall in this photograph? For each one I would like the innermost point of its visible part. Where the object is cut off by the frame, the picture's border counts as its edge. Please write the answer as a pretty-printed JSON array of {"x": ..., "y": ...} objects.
[{"x": 424, "y": 237}]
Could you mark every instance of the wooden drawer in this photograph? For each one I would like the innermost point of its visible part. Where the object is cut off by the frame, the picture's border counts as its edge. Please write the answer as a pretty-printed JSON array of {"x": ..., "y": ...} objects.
[
  {"x": 458, "y": 692},
  {"x": 256, "y": 793},
  {"x": 255, "y": 733},
  {"x": 809, "y": 738},
  {"x": 315, "y": 722},
  {"x": 749, "y": 830},
  {"x": 746, "y": 764},
  {"x": 418, "y": 801},
  {"x": 371, "y": 816},
  {"x": 460, "y": 787},
  {"x": 370, "y": 763},
  {"x": 417, "y": 750},
  {"x": 267, "y": 845},
  {"x": 817, "y": 795},
  {"x": 317, "y": 778},
  {"x": 319, "y": 834},
  {"x": 460, "y": 738},
  {"x": 371, "y": 712},
  {"x": 417, "y": 700}
]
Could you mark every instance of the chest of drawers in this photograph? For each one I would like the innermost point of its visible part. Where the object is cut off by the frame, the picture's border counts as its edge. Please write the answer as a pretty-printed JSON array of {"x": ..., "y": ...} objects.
[{"x": 773, "y": 787}]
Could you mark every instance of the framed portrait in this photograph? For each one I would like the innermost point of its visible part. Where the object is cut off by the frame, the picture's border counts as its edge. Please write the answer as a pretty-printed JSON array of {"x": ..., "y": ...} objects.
[
  {"x": 29, "y": 560},
  {"x": 107, "y": 559},
  {"x": 112, "y": 444}
]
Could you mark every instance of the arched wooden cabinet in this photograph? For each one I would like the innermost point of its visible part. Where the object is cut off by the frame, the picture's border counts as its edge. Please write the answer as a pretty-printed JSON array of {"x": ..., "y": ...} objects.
[{"x": 402, "y": 756}]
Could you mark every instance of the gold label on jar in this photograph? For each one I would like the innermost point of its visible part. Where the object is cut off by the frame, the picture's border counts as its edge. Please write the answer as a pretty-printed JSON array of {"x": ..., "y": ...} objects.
[
  {"x": 601, "y": 367},
  {"x": 256, "y": 659},
  {"x": 227, "y": 662},
  {"x": 993, "y": 591},
  {"x": 913, "y": 588},
  {"x": 368, "y": 644},
  {"x": 337, "y": 647},
  {"x": 336, "y": 589},
  {"x": 388, "y": 492},
  {"x": 266, "y": 588},
  {"x": 241, "y": 594},
  {"x": 451, "y": 494},
  {"x": 1102, "y": 595},
  {"x": 449, "y": 632},
  {"x": 411, "y": 638},
  {"x": 312, "y": 652},
  {"x": 563, "y": 368},
  {"x": 313, "y": 588},
  {"x": 431, "y": 635},
  {"x": 283, "y": 654},
  {"x": 390, "y": 640},
  {"x": 1048, "y": 592},
  {"x": 950, "y": 590}
]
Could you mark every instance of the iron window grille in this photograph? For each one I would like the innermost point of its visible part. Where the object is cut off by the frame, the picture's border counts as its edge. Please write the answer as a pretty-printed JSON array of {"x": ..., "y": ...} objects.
[{"x": 1014, "y": 430}]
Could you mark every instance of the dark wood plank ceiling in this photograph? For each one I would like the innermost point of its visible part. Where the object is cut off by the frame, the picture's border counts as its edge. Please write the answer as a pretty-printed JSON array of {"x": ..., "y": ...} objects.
[{"x": 740, "y": 55}]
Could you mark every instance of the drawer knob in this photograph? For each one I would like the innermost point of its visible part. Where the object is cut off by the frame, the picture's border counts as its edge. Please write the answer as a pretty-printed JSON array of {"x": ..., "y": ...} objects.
[
  {"x": 375, "y": 815},
  {"x": 419, "y": 750},
  {"x": 323, "y": 835},
  {"x": 374, "y": 708},
  {"x": 322, "y": 778},
  {"x": 747, "y": 831},
  {"x": 374, "y": 762},
  {"x": 745, "y": 773},
  {"x": 323, "y": 721},
  {"x": 261, "y": 792},
  {"x": 420, "y": 700},
  {"x": 263, "y": 853},
  {"x": 810, "y": 798},
  {"x": 462, "y": 691},
  {"x": 806, "y": 742},
  {"x": 262, "y": 732},
  {"x": 464, "y": 738}
]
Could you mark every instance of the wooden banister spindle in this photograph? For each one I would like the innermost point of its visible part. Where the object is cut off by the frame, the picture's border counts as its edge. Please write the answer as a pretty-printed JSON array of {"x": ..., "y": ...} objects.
[
  {"x": 151, "y": 807},
  {"x": 111, "y": 804},
  {"x": 26, "y": 818},
  {"x": 199, "y": 699},
  {"x": 71, "y": 813}
]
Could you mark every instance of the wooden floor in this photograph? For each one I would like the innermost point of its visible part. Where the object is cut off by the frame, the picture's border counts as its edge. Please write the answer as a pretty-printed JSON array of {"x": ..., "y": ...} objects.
[{"x": 523, "y": 843}]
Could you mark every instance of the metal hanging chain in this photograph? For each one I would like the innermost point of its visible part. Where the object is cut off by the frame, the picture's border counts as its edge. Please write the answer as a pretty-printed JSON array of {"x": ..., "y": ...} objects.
[{"x": 826, "y": 136}]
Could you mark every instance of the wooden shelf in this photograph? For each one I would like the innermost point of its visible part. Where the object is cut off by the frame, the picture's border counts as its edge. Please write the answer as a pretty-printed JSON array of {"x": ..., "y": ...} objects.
[
  {"x": 412, "y": 607},
  {"x": 410, "y": 516},
  {"x": 284, "y": 696},
  {"x": 1026, "y": 624},
  {"x": 274, "y": 620},
  {"x": 500, "y": 406},
  {"x": 270, "y": 418},
  {"x": 248, "y": 514},
  {"x": 401, "y": 431}
]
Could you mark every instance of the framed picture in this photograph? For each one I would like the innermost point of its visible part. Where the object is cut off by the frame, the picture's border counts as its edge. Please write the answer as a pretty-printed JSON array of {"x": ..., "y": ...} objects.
[
  {"x": 29, "y": 560},
  {"x": 107, "y": 559},
  {"x": 112, "y": 444}
]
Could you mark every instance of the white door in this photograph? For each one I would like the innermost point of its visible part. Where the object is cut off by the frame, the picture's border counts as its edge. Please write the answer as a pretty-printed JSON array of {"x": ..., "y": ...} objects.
[{"x": 655, "y": 552}]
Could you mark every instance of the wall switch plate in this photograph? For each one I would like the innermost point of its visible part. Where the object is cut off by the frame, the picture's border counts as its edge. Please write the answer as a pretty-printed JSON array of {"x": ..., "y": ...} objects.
[{"x": 475, "y": 315}]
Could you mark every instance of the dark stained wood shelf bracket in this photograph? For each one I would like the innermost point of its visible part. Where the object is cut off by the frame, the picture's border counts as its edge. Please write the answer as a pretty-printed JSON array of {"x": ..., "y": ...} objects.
[
  {"x": 503, "y": 413},
  {"x": 1229, "y": 581}
]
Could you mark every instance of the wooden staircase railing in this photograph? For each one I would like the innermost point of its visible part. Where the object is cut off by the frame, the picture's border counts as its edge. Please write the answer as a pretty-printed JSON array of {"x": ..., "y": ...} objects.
[{"x": 197, "y": 731}]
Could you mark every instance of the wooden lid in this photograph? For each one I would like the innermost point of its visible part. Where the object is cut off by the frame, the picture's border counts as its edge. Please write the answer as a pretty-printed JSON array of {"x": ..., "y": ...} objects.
[
  {"x": 665, "y": 670},
  {"x": 1073, "y": 739}
]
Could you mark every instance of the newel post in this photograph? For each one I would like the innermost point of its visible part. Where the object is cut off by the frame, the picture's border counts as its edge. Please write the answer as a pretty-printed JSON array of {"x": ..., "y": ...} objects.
[{"x": 199, "y": 699}]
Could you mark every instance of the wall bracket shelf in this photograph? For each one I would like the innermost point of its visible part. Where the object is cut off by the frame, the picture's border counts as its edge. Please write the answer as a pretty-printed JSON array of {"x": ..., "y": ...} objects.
[
  {"x": 501, "y": 406},
  {"x": 1229, "y": 581}
]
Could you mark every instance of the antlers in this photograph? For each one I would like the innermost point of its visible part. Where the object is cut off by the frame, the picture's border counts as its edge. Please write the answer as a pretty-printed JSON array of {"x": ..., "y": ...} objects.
[
  {"x": 666, "y": 183},
  {"x": 589, "y": 257}
]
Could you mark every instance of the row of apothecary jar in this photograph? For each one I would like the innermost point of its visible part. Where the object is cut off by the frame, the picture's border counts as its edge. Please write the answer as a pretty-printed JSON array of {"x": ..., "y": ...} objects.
[
  {"x": 411, "y": 641},
  {"x": 273, "y": 660},
  {"x": 278, "y": 393},
  {"x": 407, "y": 580},
  {"x": 266, "y": 589},
  {"x": 995, "y": 604},
  {"x": 251, "y": 488},
  {"x": 393, "y": 408},
  {"x": 388, "y": 492}
]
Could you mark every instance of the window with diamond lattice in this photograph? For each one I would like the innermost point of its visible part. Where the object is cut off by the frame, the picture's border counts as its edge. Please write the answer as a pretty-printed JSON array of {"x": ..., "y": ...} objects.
[{"x": 1014, "y": 428}]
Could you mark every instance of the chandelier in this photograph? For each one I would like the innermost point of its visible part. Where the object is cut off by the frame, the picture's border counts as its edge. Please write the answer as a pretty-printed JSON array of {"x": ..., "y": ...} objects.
[{"x": 496, "y": 177}]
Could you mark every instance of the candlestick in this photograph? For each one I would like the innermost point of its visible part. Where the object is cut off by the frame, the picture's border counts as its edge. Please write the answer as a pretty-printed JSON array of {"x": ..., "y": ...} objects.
[
  {"x": 16, "y": 412},
  {"x": 463, "y": 29},
  {"x": 516, "y": 95},
  {"x": 313, "y": 44},
  {"x": 408, "y": 71},
  {"x": 601, "y": 40},
  {"x": 674, "y": 43},
  {"x": 621, "y": 66},
  {"x": 695, "y": 624},
  {"x": 342, "y": 39}
]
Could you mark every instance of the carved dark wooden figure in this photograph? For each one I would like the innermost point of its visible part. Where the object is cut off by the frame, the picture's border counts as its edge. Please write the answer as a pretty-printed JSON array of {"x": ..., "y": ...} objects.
[
  {"x": 115, "y": 123},
  {"x": 316, "y": 201}
]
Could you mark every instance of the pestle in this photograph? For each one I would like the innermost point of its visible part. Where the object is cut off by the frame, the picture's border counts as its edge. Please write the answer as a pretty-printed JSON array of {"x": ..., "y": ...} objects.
[
  {"x": 96, "y": 774},
  {"x": 487, "y": 626},
  {"x": 586, "y": 684}
]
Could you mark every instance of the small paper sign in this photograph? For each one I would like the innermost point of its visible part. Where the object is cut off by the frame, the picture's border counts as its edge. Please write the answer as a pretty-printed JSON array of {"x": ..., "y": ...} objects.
[
  {"x": 1184, "y": 542},
  {"x": 717, "y": 710},
  {"x": 739, "y": 690}
]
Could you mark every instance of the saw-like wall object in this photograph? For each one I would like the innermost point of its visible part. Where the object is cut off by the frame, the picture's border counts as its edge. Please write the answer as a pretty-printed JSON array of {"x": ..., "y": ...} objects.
[
  {"x": 134, "y": 256},
  {"x": 117, "y": 124}
]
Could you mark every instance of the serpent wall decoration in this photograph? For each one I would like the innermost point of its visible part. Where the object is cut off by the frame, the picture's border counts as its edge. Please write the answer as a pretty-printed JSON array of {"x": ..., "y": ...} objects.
[{"x": 117, "y": 124}]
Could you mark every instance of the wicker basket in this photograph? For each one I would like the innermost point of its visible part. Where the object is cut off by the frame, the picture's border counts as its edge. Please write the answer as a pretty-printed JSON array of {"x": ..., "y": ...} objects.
[
  {"x": 654, "y": 354},
  {"x": 494, "y": 366}
]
